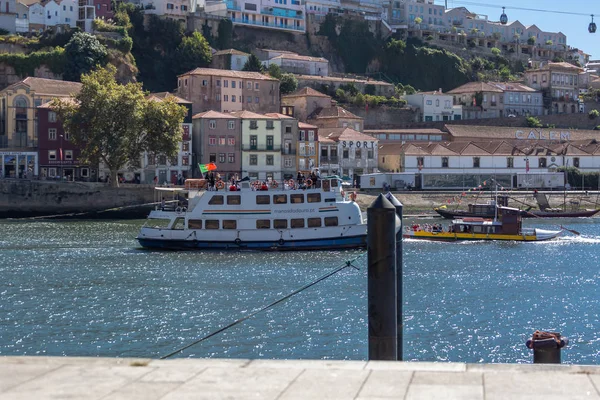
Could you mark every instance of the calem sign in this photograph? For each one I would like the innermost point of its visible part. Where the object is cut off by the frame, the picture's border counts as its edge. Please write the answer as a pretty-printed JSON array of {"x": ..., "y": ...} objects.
[
  {"x": 358, "y": 143},
  {"x": 541, "y": 135}
]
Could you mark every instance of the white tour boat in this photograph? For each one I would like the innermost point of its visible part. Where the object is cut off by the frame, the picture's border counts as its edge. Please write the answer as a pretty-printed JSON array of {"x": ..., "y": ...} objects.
[{"x": 257, "y": 217}]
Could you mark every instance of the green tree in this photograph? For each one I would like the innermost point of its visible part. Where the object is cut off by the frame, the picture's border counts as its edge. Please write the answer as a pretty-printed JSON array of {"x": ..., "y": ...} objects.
[
  {"x": 533, "y": 122},
  {"x": 359, "y": 99},
  {"x": 225, "y": 34},
  {"x": 83, "y": 53},
  {"x": 593, "y": 114},
  {"x": 115, "y": 124},
  {"x": 275, "y": 71},
  {"x": 193, "y": 52},
  {"x": 418, "y": 20},
  {"x": 253, "y": 64},
  {"x": 531, "y": 41},
  {"x": 288, "y": 84},
  {"x": 496, "y": 51},
  {"x": 408, "y": 89},
  {"x": 549, "y": 42}
]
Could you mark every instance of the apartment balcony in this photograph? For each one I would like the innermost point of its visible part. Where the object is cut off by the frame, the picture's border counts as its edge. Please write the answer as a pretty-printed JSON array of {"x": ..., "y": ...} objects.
[
  {"x": 282, "y": 12},
  {"x": 329, "y": 160},
  {"x": 249, "y": 22},
  {"x": 248, "y": 147},
  {"x": 232, "y": 5}
]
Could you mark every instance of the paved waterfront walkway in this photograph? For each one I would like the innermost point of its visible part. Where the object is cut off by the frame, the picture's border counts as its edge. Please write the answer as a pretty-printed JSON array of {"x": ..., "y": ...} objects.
[{"x": 40, "y": 378}]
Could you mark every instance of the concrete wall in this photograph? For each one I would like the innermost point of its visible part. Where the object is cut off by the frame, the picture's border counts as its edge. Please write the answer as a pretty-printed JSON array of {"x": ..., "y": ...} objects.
[
  {"x": 404, "y": 118},
  {"x": 384, "y": 117},
  {"x": 30, "y": 198}
]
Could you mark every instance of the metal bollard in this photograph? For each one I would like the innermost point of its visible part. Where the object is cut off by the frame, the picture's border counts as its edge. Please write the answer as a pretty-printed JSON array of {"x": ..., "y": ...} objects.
[
  {"x": 399, "y": 314},
  {"x": 546, "y": 347},
  {"x": 381, "y": 253}
]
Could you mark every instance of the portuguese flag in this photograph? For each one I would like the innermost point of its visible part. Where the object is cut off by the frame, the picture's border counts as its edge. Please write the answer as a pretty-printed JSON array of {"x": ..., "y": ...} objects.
[{"x": 204, "y": 168}]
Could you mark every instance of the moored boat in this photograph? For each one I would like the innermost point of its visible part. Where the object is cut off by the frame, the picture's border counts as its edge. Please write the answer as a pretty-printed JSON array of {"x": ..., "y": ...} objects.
[
  {"x": 275, "y": 216},
  {"x": 507, "y": 226}
]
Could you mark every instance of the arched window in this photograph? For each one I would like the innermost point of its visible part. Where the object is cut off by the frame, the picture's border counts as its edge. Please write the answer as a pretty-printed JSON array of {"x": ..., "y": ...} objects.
[{"x": 21, "y": 102}]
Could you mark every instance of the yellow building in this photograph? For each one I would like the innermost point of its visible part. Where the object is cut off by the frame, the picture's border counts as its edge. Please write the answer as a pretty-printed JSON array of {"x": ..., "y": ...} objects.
[{"x": 18, "y": 122}]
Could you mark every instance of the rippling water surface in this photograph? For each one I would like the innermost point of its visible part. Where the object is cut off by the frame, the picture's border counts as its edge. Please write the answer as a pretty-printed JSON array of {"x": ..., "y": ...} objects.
[{"x": 85, "y": 288}]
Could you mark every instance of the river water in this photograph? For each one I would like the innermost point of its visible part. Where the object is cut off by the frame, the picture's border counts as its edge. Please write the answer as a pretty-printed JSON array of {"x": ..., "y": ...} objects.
[{"x": 85, "y": 288}]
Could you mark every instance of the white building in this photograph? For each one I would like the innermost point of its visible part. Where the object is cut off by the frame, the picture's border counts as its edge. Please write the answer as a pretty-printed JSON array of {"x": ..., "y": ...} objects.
[
  {"x": 175, "y": 9},
  {"x": 8, "y": 10},
  {"x": 287, "y": 15},
  {"x": 435, "y": 106},
  {"x": 347, "y": 152},
  {"x": 298, "y": 64}
]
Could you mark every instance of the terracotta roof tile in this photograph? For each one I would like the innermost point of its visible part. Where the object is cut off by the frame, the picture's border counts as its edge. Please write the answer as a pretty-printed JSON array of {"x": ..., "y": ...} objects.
[
  {"x": 229, "y": 74},
  {"x": 305, "y": 92},
  {"x": 165, "y": 95},
  {"x": 463, "y": 132},
  {"x": 337, "y": 134},
  {"x": 250, "y": 115},
  {"x": 332, "y": 112},
  {"x": 474, "y": 87},
  {"x": 48, "y": 87},
  {"x": 230, "y": 51},
  {"x": 303, "y": 125},
  {"x": 214, "y": 115}
]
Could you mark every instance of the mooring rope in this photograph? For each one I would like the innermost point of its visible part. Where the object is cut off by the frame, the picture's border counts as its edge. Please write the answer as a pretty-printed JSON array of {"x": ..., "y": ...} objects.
[{"x": 264, "y": 308}]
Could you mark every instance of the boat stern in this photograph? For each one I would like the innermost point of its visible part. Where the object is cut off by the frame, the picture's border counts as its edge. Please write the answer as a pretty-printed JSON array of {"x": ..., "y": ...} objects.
[{"x": 543, "y": 234}]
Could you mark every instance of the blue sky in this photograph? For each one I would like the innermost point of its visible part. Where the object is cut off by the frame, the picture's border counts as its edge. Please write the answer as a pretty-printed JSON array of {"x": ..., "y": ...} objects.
[{"x": 575, "y": 27}]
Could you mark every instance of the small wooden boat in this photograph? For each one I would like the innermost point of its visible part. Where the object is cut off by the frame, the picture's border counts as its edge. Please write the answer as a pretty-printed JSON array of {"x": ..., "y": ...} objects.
[
  {"x": 507, "y": 226},
  {"x": 488, "y": 210}
]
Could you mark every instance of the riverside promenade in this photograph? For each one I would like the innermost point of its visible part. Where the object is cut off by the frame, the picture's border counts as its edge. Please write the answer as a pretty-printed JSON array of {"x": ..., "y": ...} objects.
[{"x": 122, "y": 378}]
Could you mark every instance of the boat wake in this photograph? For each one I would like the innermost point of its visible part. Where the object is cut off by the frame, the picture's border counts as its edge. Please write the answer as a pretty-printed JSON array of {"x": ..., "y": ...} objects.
[{"x": 579, "y": 239}]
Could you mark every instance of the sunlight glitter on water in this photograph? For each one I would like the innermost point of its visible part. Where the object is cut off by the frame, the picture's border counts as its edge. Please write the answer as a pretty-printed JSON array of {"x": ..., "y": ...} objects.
[{"x": 85, "y": 288}]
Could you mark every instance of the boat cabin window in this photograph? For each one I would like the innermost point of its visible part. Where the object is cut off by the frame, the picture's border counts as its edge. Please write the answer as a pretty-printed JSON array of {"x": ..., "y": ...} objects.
[
  {"x": 331, "y": 221},
  {"x": 234, "y": 200},
  {"x": 334, "y": 183},
  {"x": 313, "y": 197},
  {"x": 211, "y": 224},
  {"x": 326, "y": 185},
  {"x": 263, "y": 199},
  {"x": 330, "y": 200},
  {"x": 280, "y": 199},
  {"x": 157, "y": 223},
  {"x": 280, "y": 224},
  {"x": 229, "y": 224},
  {"x": 179, "y": 224},
  {"x": 314, "y": 222},
  {"x": 195, "y": 224},
  {"x": 297, "y": 223},
  {"x": 263, "y": 224},
  {"x": 479, "y": 229},
  {"x": 296, "y": 198},
  {"x": 216, "y": 200}
]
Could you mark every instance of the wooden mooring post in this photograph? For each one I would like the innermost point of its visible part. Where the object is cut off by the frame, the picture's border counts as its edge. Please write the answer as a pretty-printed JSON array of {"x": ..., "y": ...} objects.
[
  {"x": 382, "y": 301},
  {"x": 399, "y": 255}
]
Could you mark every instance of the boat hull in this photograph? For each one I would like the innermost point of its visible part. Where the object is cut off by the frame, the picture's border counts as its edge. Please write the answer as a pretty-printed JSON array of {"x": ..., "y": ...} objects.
[
  {"x": 454, "y": 214},
  {"x": 560, "y": 214},
  {"x": 538, "y": 235},
  {"x": 352, "y": 242}
]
